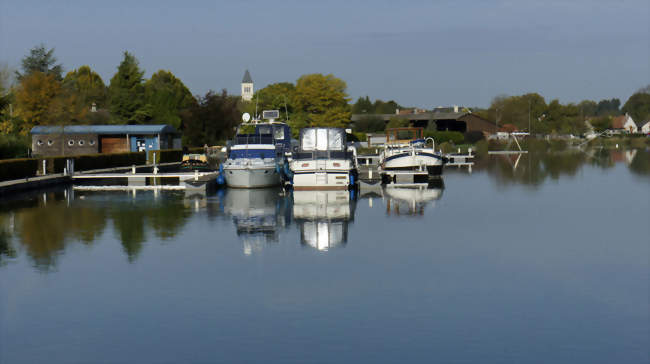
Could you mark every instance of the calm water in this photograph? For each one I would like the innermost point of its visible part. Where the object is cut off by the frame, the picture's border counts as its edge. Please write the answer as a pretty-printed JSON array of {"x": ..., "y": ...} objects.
[{"x": 541, "y": 260}]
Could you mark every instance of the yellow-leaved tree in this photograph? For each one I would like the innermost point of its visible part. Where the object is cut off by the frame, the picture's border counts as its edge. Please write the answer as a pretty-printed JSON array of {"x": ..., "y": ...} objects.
[{"x": 321, "y": 100}]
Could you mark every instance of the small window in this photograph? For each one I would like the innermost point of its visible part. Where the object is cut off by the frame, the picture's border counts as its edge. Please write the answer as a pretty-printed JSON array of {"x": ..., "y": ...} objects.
[
  {"x": 40, "y": 142},
  {"x": 92, "y": 142},
  {"x": 70, "y": 142},
  {"x": 81, "y": 142},
  {"x": 49, "y": 142}
]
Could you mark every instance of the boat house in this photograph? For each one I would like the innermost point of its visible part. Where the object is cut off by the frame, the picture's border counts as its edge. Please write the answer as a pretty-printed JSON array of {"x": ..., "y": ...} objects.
[{"x": 91, "y": 139}]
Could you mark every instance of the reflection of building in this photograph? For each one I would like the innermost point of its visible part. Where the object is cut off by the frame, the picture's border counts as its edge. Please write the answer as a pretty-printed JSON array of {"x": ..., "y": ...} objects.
[
  {"x": 410, "y": 200},
  {"x": 323, "y": 217},
  {"x": 258, "y": 214}
]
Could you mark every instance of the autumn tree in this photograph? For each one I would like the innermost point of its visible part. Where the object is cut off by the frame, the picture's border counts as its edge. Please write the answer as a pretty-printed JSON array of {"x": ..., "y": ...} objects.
[
  {"x": 276, "y": 96},
  {"x": 165, "y": 97},
  {"x": 88, "y": 86},
  {"x": 321, "y": 100},
  {"x": 40, "y": 60},
  {"x": 126, "y": 91}
]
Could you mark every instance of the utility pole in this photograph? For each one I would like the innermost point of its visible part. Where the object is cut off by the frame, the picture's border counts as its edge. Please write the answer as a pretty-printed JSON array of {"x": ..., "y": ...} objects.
[{"x": 529, "y": 131}]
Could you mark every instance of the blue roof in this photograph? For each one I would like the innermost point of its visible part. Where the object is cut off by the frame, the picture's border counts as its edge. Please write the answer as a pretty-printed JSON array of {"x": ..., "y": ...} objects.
[{"x": 105, "y": 129}]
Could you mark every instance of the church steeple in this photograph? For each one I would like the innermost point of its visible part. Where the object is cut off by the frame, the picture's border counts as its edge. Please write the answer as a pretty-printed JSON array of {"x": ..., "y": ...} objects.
[{"x": 247, "y": 87}]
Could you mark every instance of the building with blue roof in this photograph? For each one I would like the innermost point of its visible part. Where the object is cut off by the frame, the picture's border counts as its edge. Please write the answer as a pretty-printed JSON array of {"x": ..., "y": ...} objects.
[{"x": 91, "y": 139}]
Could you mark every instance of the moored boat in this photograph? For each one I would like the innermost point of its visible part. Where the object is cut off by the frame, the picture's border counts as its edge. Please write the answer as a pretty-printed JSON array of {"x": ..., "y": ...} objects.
[
  {"x": 406, "y": 150},
  {"x": 256, "y": 157},
  {"x": 323, "y": 161}
]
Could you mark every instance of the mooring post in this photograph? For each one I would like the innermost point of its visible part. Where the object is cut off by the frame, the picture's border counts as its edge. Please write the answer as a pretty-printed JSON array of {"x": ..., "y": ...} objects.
[
  {"x": 196, "y": 175},
  {"x": 44, "y": 167},
  {"x": 133, "y": 169}
]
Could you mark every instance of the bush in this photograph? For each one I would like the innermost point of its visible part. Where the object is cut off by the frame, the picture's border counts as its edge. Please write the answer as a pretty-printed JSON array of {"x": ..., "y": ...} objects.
[
  {"x": 473, "y": 137},
  {"x": 13, "y": 146},
  {"x": 369, "y": 124},
  {"x": 94, "y": 161},
  {"x": 168, "y": 155},
  {"x": 445, "y": 136},
  {"x": 17, "y": 168}
]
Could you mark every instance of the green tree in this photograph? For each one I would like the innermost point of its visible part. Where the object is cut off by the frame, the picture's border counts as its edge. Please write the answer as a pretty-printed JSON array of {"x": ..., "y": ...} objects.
[
  {"x": 165, "y": 97},
  {"x": 126, "y": 90},
  {"x": 608, "y": 107},
  {"x": 40, "y": 60},
  {"x": 363, "y": 106},
  {"x": 397, "y": 122},
  {"x": 276, "y": 96},
  {"x": 369, "y": 124},
  {"x": 517, "y": 110},
  {"x": 321, "y": 100},
  {"x": 638, "y": 106},
  {"x": 88, "y": 86},
  {"x": 386, "y": 107},
  {"x": 588, "y": 108},
  {"x": 211, "y": 120}
]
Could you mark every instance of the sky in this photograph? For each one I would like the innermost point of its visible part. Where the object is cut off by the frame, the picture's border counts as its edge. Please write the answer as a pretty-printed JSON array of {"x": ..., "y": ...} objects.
[{"x": 419, "y": 53}]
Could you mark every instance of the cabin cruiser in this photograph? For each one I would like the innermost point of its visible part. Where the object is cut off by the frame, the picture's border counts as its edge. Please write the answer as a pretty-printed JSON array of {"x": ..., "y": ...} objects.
[
  {"x": 323, "y": 161},
  {"x": 405, "y": 150},
  {"x": 323, "y": 217},
  {"x": 257, "y": 155}
]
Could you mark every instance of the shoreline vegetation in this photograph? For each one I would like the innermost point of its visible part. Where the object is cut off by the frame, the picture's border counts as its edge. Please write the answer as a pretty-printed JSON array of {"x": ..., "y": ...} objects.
[{"x": 40, "y": 94}]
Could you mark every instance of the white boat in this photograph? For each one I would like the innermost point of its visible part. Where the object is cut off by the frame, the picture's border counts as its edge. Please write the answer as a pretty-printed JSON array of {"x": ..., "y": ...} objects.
[
  {"x": 324, "y": 161},
  {"x": 323, "y": 217},
  {"x": 406, "y": 150},
  {"x": 410, "y": 199},
  {"x": 257, "y": 159}
]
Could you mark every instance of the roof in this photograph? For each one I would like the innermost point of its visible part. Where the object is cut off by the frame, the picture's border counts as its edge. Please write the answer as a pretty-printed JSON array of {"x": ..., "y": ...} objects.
[
  {"x": 105, "y": 129},
  {"x": 247, "y": 78}
]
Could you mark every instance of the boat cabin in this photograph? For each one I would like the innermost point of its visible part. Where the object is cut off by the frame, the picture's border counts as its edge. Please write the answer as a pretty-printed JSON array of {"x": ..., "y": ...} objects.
[
  {"x": 268, "y": 140},
  {"x": 403, "y": 135},
  {"x": 322, "y": 143}
]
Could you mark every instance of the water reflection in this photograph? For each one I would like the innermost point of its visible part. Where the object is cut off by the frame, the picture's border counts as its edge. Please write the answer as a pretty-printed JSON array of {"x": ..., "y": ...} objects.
[
  {"x": 407, "y": 200},
  {"x": 323, "y": 217},
  {"x": 258, "y": 215},
  {"x": 40, "y": 225}
]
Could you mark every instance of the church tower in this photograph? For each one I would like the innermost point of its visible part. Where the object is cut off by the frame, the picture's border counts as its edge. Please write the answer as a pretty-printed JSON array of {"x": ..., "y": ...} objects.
[{"x": 247, "y": 87}]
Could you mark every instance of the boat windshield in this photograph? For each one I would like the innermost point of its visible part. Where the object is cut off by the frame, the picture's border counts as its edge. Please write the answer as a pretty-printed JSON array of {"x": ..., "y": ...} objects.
[{"x": 322, "y": 139}]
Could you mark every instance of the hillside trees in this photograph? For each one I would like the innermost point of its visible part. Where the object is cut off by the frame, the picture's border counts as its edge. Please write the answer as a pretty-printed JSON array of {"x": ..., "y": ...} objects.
[{"x": 211, "y": 120}]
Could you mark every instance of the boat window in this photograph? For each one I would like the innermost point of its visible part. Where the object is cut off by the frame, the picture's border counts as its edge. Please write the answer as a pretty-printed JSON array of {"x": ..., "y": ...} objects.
[
  {"x": 335, "y": 139},
  {"x": 321, "y": 139},
  {"x": 264, "y": 129},
  {"x": 278, "y": 133},
  {"x": 309, "y": 139}
]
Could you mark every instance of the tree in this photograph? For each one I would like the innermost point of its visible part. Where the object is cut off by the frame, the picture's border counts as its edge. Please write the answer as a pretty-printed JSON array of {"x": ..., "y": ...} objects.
[
  {"x": 276, "y": 96},
  {"x": 126, "y": 90},
  {"x": 588, "y": 108},
  {"x": 397, "y": 122},
  {"x": 517, "y": 110},
  {"x": 363, "y": 106},
  {"x": 320, "y": 100},
  {"x": 369, "y": 124},
  {"x": 165, "y": 97},
  {"x": 608, "y": 107},
  {"x": 40, "y": 60},
  {"x": 386, "y": 107},
  {"x": 88, "y": 86},
  {"x": 211, "y": 120},
  {"x": 638, "y": 106}
]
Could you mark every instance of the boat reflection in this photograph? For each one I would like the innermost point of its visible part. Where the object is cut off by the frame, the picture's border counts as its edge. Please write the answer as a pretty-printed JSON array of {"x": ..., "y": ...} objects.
[
  {"x": 410, "y": 199},
  {"x": 259, "y": 214},
  {"x": 323, "y": 217}
]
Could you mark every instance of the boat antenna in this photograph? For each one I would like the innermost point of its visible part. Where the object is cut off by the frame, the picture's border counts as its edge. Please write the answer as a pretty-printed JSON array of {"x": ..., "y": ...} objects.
[
  {"x": 286, "y": 111},
  {"x": 256, "y": 98}
]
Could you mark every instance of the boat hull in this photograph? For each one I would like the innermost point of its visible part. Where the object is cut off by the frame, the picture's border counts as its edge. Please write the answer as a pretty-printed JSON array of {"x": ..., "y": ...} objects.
[
  {"x": 321, "y": 181},
  {"x": 251, "y": 177},
  {"x": 414, "y": 161}
]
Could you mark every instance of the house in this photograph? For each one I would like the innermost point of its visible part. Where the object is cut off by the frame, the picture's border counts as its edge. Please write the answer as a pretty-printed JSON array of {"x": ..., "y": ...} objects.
[
  {"x": 645, "y": 127},
  {"x": 625, "y": 123},
  {"x": 92, "y": 139}
]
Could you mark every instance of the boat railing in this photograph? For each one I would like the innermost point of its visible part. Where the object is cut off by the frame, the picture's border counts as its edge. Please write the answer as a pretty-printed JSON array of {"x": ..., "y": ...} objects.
[{"x": 254, "y": 139}]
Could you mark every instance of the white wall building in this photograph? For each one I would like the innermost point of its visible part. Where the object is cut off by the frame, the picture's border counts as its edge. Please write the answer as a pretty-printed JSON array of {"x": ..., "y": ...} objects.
[
  {"x": 247, "y": 87},
  {"x": 645, "y": 128}
]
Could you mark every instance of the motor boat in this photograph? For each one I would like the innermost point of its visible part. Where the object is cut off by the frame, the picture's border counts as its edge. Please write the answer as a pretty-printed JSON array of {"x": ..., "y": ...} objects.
[{"x": 406, "y": 150}]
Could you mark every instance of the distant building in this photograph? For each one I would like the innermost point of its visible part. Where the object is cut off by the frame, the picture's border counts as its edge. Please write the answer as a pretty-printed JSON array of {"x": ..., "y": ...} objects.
[
  {"x": 645, "y": 127},
  {"x": 453, "y": 121},
  {"x": 624, "y": 122},
  {"x": 247, "y": 87},
  {"x": 91, "y": 139}
]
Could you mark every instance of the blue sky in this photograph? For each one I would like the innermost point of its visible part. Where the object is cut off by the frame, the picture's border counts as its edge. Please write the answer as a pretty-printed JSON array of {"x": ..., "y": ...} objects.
[{"x": 420, "y": 53}]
